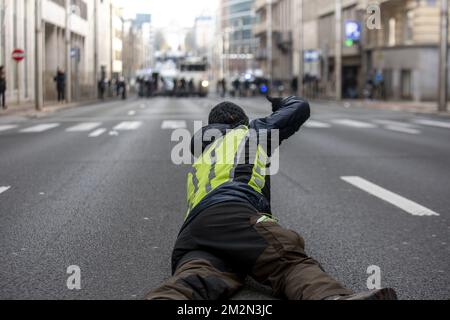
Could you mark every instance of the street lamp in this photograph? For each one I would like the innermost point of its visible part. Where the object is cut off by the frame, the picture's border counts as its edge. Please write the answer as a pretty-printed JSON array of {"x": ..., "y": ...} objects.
[
  {"x": 443, "y": 56},
  {"x": 70, "y": 9},
  {"x": 3, "y": 31},
  {"x": 38, "y": 63},
  {"x": 338, "y": 50},
  {"x": 269, "y": 42}
]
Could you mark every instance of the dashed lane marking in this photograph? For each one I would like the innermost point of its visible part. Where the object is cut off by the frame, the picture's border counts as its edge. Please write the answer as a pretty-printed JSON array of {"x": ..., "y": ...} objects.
[
  {"x": 3, "y": 189},
  {"x": 128, "y": 125},
  {"x": 433, "y": 123},
  {"x": 405, "y": 204},
  {"x": 395, "y": 123},
  {"x": 355, "y": 124},
  {"x": 83, "y": 127},
  {"x": 402, "y": 129},
  {"x": 172, "y": 125},
  {"x": 97, "y": 133},
  {"x": 40, "y": 128},
  {"x": 7, "y": 127},
  {"x": 316, "y": 124}
]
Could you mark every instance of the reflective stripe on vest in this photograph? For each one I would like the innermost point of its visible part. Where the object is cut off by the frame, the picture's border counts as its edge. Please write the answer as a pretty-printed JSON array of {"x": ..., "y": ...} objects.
[{"x": 217, "y": 165}]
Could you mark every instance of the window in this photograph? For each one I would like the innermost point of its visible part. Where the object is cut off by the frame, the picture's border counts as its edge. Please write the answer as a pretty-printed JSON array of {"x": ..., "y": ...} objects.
[
  {"x": 409, "y": 23},
  {"x": 406, "y": 84},
  {"x": 392, "y": 32}
]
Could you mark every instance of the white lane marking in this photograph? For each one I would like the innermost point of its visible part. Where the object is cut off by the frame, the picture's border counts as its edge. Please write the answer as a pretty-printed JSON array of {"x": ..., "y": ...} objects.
[
  {"x": 171, "y": 125},
  {"x": 432, "y": 123},
  {"x": 82, "y": 127},
  {"x": 97, "y": 133},
  {"x": 355, "y": 124},
  {"x": 316, "y": 124},
  {"x": 128, "y": 125},
  {"x": 7, "y": 127},
  {"x": 132, "y": 113},
  {"x": 395, "y": 123},
  {"x": 3, "y": 189},
  {"x": 390, "y": 197},
  {"x": 40, "y": 128},
  {"x": 402, "y": 129}
]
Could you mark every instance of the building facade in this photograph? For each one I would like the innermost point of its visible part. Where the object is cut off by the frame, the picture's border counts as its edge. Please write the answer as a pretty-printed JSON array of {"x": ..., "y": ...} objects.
[
  {"x": 402, "y": 54},
  {"x": 406, "y": 49},
  {"x": 239, "y": 45},
  {"x": 282, "y": 25},
  {"x": 87, "y": 49},
  {"x": 139, "y": 45}
]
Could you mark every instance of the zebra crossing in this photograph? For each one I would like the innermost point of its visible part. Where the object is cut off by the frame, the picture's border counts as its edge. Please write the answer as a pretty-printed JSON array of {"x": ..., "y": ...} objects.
[
  {"x": 93, "y": 129},
  {"x": 413, "y": 127},
  {"x": 97, "y": 129}
]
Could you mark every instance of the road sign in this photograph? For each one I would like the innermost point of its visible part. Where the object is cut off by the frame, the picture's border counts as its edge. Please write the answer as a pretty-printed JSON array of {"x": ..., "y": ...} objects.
[
  {"x": 352, "y": 32},
  {"x": 18, "y": 55}
]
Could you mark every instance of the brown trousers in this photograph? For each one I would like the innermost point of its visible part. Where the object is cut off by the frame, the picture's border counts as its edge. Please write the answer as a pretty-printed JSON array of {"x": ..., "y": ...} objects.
[{"x": 208, "y": 272}]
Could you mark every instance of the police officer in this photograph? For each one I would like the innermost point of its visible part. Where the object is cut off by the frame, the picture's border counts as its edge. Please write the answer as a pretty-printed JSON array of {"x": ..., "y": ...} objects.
[{"x": 229, "y": 232}]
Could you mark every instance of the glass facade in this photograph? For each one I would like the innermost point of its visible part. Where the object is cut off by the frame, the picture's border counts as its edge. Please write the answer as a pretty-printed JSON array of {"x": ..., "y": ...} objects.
[{"x": 239, "y": 18}]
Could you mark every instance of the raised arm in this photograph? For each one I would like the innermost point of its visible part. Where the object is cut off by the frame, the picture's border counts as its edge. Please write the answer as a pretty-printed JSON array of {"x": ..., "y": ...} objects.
[{"x": 288, "y": 116}]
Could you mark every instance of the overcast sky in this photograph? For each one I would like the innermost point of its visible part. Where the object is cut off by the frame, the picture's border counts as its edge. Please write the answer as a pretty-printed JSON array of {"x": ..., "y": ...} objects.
[{"x": 168, "y": 12}]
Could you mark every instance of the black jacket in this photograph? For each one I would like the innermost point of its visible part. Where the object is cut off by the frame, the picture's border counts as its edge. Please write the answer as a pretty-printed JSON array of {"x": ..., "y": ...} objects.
[
  {"x": 60, "y": 80},
  {"x": 287, "y": 118},
  {"x": 2, "y": 83}
]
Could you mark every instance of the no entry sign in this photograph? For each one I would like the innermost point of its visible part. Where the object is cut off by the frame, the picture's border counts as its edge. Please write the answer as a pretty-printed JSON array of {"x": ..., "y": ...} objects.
[{"x": 18, "y": 55}]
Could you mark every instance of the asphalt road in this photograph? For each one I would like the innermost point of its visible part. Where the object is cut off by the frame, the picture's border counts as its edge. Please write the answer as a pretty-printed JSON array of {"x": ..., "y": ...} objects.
[{"x": 95, "y": 187}]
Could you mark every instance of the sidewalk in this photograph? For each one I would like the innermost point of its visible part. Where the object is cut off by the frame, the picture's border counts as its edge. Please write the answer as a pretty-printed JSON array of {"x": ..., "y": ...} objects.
[
  {"x": 27, "y": 109},
  {"x": 407, "y": 106}
]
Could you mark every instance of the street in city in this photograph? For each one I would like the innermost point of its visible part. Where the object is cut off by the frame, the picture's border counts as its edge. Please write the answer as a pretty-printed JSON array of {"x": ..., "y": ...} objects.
[{"x": 96, "y": 187}]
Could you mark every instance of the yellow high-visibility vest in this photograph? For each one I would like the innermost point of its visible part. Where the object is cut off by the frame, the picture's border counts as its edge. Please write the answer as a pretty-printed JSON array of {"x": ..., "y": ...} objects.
[{"x": 217, "y": 165}]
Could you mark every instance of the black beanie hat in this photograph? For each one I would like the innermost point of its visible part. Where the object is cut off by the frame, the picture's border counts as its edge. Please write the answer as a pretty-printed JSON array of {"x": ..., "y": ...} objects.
[{"x": 228, "y": 113}]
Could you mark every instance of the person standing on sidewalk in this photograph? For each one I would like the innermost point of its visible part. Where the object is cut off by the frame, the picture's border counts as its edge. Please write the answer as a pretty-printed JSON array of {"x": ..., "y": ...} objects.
[
  {"x": 3, "y": 87},
  {"x": 60, "y": 80}
]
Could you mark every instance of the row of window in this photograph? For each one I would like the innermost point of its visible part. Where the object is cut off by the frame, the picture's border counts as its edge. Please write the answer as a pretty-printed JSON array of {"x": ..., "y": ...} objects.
[{"x": 80, "y": 7}]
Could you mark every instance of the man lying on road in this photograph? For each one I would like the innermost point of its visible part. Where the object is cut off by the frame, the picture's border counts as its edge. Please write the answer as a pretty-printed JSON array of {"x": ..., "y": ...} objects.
[{"x": 229, "y": 232}]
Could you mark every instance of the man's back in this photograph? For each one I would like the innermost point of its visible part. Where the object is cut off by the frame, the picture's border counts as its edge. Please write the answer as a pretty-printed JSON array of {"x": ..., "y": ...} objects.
[{"x": 233, "y": 159}]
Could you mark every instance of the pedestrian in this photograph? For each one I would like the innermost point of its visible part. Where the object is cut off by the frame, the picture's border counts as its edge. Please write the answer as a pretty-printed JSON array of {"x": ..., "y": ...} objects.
[
  {"x": 182, "y": 87},
  {"x": 191, "y": 87},
  {"x": 236, "y": 87},
  {"x": 224, "y": 88},
  {"x": 101, "y": 88},
  {"x": 294, "y": 85},
  {"x": 60, "y": 80},
  {"x": 229, "y": 231},
  {"x": 3, "y": 88},
  {"x": 176, "y": 84},
  {"x": 122, "y": 88}
]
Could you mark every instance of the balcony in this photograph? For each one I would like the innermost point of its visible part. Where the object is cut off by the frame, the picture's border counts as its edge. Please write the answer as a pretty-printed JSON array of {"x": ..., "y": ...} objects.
[
  {"x": 284, "y": 40},
  {"x": 261, "y": 54},
  {"x": 260, "y": 28},
  {"x": 259, "y": 5}
]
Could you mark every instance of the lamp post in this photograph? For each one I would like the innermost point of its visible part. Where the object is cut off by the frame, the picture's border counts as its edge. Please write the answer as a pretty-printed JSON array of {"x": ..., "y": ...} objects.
[
  {"x": 68, "y": 52},
  {"x": 299, "y": 10},
  {"x": 338, "y": 50},
  {"x": 39, "y": 88},
  {"x": 269, "y": 43},
  {"x": 443, "y": 58}
]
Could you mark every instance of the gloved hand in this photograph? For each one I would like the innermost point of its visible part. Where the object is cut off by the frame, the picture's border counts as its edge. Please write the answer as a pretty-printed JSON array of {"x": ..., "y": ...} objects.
[{"x": 277, "y": 103}]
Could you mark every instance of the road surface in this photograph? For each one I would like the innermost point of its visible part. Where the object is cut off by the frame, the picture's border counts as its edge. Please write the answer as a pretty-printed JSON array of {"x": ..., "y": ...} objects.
[{"x": 95, "y": 187}]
